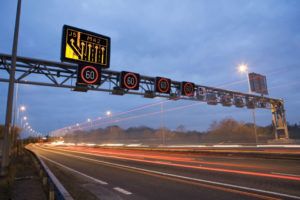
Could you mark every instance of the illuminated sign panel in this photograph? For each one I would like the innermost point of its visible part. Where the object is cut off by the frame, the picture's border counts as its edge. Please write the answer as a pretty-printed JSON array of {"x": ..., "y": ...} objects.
[
  {"x": 258, "y": 83},
  {"x": 85, "y": 47},
  {"x": 187, "y": 88},
  {"x": 88, "y": 75},
  {"x": 163, "y": 85},
  {"x": 130, "y": 80}
]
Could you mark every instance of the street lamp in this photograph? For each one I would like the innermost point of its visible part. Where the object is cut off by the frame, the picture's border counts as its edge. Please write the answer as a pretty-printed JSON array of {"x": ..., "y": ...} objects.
[
  {"x": 22, "y": 108},
  {"x": 89, "y": 121},
  {"x": 108, "y": 113},
  {"x": 23, "y": 119},
  {"x": 243, "y": 69}
]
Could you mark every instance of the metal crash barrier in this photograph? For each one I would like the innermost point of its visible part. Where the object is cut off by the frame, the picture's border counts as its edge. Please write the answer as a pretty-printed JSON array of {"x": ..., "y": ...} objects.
[{"x": 52, "y": 186}]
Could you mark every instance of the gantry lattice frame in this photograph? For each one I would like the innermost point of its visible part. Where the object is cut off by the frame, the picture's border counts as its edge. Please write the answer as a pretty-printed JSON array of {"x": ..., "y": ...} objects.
[{"x": 63, "y": 75}]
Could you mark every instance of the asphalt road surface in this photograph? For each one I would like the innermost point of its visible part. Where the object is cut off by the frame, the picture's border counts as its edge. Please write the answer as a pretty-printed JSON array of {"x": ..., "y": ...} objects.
[{"x": 99, "y": 173}]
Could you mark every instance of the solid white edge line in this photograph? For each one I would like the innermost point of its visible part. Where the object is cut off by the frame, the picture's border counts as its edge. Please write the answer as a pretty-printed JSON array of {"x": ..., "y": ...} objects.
[
  {"x": 179, "y": 176},
  {"x": 122, "y": 190},
  {"x": 56, "y": 182},
  {"x": 75, "y": 171}
]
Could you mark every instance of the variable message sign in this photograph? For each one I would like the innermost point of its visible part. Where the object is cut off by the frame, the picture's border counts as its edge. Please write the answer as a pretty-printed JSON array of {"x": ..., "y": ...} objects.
[
  {"x": 162, "y": 85},
  {"x": 88, "y": 75},
  {"x": 130, "y": 80},
  {"x": 258, "y": 83},
  {"x": 187, "y": 88},
  {"x": 85, "y": 47}
]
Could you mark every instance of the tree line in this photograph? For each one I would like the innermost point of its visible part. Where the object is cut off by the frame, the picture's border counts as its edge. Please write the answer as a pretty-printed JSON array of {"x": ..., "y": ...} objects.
[{"x": 227, "y": 131}]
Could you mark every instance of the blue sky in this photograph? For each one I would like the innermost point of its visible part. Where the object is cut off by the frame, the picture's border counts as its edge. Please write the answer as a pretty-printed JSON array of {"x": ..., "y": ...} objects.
[{"x": 199, "y": 41}]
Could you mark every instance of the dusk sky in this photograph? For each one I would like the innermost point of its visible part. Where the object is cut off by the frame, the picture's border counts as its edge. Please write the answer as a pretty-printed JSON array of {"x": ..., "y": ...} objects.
[{"x": 198, "y": 41}]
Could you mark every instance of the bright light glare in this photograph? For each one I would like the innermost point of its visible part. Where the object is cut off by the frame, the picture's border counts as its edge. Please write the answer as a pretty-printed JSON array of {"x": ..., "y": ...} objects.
[
  {"x": 108, "y": 113},
  {"x": 22, "y": 108},
  {"x": 243, "y": 68},
  {"x": 89, "y": 120},
  {"x": 25, "y": 118}
]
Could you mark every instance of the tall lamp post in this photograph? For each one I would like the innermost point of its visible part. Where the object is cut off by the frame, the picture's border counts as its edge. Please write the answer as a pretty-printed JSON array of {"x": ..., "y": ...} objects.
[
  {"x": 243, "y": 69},
  {"x": 109, "y": 114},
  {"x": 10, "y": 95},
  {"x": 21, "y": 109},
  {"x": 90, "y": 121},
  {"x": 162, "y": 124},
  {"x": 23, "y": 119}
]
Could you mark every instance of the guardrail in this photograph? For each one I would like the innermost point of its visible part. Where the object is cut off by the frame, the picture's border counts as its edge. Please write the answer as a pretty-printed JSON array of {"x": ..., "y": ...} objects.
[{"x": 51, "y": 184}]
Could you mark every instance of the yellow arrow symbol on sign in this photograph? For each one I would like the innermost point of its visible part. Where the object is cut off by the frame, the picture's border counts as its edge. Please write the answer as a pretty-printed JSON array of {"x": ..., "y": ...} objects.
[
  {"x": 96, "y": 58},
  {"x": 89, "y": 45},
  {"x": 102, "y": 55},
  {"x": 82, "y": 49},
  {"x": 72, "y": 43}
]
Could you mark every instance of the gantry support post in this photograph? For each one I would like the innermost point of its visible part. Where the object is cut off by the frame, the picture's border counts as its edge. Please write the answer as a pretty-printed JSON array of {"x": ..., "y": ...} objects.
[{"x": 279, "y": 120}]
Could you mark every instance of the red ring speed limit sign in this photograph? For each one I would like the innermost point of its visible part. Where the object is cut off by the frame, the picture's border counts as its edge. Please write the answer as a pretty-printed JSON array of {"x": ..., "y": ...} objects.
[
  {"x": 89, "y": 75},
  {"x": 130, "y": 80},
  {"x": 187, "y": 89},
  {"x": 163, "y": 85}
]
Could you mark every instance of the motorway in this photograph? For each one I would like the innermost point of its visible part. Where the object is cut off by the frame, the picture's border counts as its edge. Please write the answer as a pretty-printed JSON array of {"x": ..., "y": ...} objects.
[{"x": 105, "y": 173}]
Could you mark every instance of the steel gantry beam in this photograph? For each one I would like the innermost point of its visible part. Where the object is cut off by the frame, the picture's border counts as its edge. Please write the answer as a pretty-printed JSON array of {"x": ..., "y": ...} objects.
[{"x": 64, "y": 75}]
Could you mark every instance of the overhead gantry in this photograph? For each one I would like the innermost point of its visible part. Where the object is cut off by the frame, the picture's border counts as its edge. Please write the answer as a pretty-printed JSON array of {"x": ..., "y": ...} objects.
[{"x": 63, "y": 75}]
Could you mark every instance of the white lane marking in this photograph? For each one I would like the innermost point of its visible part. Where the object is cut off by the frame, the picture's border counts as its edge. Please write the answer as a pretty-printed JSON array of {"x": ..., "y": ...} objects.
[
  {"x": 296, "y": 175},
  {"x": 75, "y": 171},
  {"x": 122, "y": 190},
  {"x": 179, "y": 176}
]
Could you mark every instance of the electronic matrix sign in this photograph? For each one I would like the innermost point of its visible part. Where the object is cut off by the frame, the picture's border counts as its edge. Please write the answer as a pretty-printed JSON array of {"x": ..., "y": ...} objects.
[
  {"x": 130, "y": 80},
  {"x": 162, "y": 85},
  {"x": 85, "y": 47},
  {"x": 258, "y": 83},
  {"x": 88, "y": 75},
  {"x": 187, "y": 88}
]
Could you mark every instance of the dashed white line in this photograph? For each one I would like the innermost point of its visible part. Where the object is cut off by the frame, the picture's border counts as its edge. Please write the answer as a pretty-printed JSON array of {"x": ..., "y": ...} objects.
[
  {"x": 75, "y": 171},
  {"x": 296, "y": 175},
  {"x": 122, "y": 190}
]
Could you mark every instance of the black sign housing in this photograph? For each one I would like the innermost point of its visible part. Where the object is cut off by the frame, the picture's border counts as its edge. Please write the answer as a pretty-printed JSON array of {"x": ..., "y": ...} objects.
[
  {"x": 85, "y": 47},
  {"x": 88, "y": 75},
  {"x": 187, "y": 88},
  {"x": 162, "y": 85},
  {"x": 130, "y": 80},
  {"x": 258, "y": 83}
]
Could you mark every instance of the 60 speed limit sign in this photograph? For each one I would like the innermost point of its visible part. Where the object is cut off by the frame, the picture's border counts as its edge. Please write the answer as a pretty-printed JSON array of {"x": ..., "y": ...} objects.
[
  {"x": 130, "y": 80},
  {"x": 88, "y": 75},
  {"x": 187, "y": 88},
  {"x": 162, "y": 85}
]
